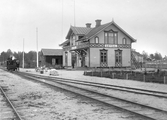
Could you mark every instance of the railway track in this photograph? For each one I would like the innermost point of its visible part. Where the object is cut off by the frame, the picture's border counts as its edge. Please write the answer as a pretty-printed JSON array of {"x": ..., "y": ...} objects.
[
  {"x": 7, "y": 109},
  {"x": 159, "y": 94},
  {"x": 140, "y": 110}
]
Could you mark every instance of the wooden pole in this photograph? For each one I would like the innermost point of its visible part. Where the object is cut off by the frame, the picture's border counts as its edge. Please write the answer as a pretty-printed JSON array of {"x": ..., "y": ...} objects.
[
  {"x": 23, "y": 53},
  {"x": 37, "y": 44}
]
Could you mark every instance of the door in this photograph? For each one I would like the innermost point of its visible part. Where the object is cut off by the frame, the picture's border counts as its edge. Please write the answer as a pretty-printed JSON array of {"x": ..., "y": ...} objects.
[
  {"x": 66, "y": 58},
  {"x": 53, "y": 61}
]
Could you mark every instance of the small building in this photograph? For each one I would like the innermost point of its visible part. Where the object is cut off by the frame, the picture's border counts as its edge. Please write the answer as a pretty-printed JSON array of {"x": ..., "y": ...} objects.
[
  {"x": 105, "y": 45},
  {"x": 137, "y": 60},
  {"x": 137, "y": 56},
  {"x": 51, "y": 57}
]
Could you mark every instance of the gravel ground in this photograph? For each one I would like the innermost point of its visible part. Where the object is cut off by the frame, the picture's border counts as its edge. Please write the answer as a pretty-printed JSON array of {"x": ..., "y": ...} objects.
[{"x": 45, "y": 103}]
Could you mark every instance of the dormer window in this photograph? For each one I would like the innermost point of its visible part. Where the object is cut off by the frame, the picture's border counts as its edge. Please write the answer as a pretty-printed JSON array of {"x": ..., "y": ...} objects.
[
  {"x": 124, "y": 41},
  {"x": 96, "y": 39}
]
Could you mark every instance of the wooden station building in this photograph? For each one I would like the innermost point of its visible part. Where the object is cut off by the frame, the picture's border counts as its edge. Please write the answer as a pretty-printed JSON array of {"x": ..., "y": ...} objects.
[{"x": 105, "y": 45}]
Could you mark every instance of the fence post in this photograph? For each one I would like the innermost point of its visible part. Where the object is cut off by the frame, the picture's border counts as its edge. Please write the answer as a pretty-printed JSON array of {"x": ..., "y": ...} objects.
[
  {"x": 144, "y": 78},
  {"x": 109, "y": 71},
  {"x": 112, "y": 75},
  {"x": 101, "y": 73},
  {"x": 127, "y": 76},
  {"x": 85, "y": 72},
  {"x": 164, "y": 79}
]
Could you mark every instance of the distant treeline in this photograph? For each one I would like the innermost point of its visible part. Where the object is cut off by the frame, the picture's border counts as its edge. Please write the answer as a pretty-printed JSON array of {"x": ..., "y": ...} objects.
[
  {"x": 153, "y": 57},
  {"x": 29, "y": 58}
]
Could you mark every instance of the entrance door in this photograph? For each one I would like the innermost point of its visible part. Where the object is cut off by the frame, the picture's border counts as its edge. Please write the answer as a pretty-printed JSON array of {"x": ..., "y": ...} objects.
[
  {"x": 53, "y": 61},
  {"x": 73, "y": 58},
  {"x": 66, "y": 58},
  {"x": 103, "y": 58},
  {"x": 118, "y": 58}
]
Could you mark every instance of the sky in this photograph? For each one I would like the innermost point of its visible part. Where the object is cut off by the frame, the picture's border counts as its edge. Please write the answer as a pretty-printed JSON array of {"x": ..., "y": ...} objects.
[{"x": 48, "y": 22}]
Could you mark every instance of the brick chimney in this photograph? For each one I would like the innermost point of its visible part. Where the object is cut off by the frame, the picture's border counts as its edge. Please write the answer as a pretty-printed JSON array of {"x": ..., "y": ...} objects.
[
  {"x": 98, "y": 23},
  {"x": 88, "y": 25}
]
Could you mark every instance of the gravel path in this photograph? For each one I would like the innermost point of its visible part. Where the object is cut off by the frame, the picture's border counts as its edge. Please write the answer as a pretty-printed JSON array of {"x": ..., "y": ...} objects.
[{"x": 44, "y": 103}]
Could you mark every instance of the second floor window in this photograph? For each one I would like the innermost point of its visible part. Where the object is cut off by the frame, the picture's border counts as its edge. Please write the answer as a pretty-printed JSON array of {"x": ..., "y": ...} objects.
[
  {"x": 111, "y": 37},
  {"x": 96, "y": 39},
  {"x": 124, "y": 41},
  {"x": 73, "y": 39}
]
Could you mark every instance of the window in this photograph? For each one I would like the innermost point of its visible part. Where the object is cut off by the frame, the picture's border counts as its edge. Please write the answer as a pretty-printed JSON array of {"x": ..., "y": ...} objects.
[
  {"x": 118, "y": 58},
  {"x": 73, "y": 39},
  {"x": 103, "y": 56},
  {"x": 111, "y": 37},
  {"x": 124, "y": 41},
  {"x": 96, "y": 39}
]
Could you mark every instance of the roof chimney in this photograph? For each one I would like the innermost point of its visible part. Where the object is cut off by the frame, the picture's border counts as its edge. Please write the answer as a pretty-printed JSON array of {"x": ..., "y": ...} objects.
[
  {"x": 88, "y": 25},
  {"x": 98, "y": 23}
]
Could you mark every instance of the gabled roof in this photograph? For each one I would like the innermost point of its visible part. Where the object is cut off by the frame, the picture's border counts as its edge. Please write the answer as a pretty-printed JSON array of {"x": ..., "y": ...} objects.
[
  {"x": 88, "y": 33},
  {"x": 97, "y": 30},
  {"x": 52, "y": 52},
  {"x": 78, "y": 31}
]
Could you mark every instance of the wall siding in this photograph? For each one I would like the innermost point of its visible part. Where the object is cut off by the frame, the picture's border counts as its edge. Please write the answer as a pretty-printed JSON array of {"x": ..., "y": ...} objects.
[
  {"x": 121, "y": 35},
  {"x": 95, "y": 57}
]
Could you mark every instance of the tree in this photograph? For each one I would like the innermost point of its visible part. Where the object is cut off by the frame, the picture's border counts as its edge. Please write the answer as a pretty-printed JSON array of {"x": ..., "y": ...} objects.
[
  {"x": 145, "y": 55},
  {"x": 158, "y": 56},
  {"x": 152, "y": 56}
]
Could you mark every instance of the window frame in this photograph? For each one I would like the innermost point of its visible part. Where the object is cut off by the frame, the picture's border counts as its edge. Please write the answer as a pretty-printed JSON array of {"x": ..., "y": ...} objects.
[
  {"x": 96, "y": 39},
  {"x": 111, "y": 37},
  {"x": 124, "y": 41},
  {"x": 118, "y": 57},
  {"x": 103, "y": 56}
]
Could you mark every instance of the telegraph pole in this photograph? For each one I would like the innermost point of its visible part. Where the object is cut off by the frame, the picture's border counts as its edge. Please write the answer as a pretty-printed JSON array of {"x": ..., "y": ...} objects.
[
  {"x": 37, "y": 44},
  {"x": 23, "y": 54},
  {"x": 74, "y": 13}
]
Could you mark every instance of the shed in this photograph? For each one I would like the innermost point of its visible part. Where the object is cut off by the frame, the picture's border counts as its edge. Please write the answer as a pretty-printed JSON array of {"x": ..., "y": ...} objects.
[{"x": 51, "y": 57}]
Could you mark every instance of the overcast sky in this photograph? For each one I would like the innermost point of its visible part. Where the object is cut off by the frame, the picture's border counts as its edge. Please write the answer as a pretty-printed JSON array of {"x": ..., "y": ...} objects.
[{"x": 144, "y": 20}]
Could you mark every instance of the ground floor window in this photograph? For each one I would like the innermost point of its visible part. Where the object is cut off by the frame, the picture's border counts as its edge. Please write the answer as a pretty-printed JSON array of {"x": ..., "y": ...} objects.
[
  {"x": 118, "y": 58},
  {"x": 103, "y": 58}
]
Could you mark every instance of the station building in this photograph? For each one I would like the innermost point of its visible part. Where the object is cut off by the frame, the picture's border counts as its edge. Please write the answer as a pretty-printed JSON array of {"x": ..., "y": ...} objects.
[{"x": 105, "y": 45}]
